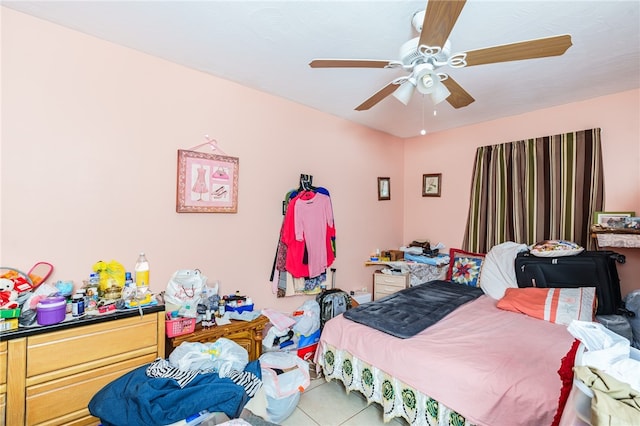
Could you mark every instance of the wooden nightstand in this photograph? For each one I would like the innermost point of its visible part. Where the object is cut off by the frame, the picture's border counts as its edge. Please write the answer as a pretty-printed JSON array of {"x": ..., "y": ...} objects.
[
  {"x": 386, "y": 284},
  {"x": 247, "y": 334}
]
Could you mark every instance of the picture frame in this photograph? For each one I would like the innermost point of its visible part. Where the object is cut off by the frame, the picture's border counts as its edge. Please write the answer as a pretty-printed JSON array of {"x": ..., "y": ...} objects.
[
  {"x": 384, "y": 188},
  {"x": 206, "y": 183},
  {"x": 431, "y": 184},
  {"x": 611, "y": 219}
]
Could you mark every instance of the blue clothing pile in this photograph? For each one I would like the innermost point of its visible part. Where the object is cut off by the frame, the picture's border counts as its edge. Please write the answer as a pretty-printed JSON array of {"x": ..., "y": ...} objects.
[{"x": 136, "y": 399}]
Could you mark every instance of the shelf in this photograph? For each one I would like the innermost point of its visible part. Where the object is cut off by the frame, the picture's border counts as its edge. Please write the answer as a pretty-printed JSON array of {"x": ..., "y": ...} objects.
[{"x": 613, "y": 237}]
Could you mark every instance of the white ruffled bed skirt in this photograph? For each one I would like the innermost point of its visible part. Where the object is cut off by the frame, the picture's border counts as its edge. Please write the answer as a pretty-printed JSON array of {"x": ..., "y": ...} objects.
[{"x": 396, "y": 398}]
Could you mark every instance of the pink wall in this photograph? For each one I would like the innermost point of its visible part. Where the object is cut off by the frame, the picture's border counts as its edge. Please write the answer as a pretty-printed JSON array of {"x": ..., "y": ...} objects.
[
  {"x": 89, "y": 146},
  {"x": 90, "y": 132},
  {"x": 452, "y": 153}
]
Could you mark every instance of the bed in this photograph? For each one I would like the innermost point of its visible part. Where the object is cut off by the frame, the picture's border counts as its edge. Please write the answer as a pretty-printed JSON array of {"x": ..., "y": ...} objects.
[{"x": 477, "y": 365}]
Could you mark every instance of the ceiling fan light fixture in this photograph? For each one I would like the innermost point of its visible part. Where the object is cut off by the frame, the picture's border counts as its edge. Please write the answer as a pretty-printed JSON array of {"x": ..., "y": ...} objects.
[
  {"x": 426, "y": 78},
  {"x": 404, "y": 92},
  {"x": 440, "y": 93}
]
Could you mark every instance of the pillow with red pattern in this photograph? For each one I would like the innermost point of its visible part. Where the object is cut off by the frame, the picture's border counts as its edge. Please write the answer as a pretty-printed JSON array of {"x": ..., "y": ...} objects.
[
  {"x": 557, "y": 305},
  {"x": 464, "y": 267}
]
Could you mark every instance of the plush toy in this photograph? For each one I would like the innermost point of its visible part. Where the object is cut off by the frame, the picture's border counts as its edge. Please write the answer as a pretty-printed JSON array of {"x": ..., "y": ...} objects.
[{"x": 8, "y": 296}]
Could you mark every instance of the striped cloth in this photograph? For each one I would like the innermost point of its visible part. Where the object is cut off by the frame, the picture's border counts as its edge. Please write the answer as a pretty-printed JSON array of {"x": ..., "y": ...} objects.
[
  {"x": 161, "y": 368},
  {"x": 249, "y": 381}
]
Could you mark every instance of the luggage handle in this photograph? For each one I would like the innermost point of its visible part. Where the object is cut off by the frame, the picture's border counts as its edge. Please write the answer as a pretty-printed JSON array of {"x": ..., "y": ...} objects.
[{"x": 625, "y": 312}]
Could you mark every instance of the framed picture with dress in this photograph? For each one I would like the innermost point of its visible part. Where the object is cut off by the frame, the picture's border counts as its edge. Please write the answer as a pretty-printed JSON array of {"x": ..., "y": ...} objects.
[{"x": 207, "y": 183}]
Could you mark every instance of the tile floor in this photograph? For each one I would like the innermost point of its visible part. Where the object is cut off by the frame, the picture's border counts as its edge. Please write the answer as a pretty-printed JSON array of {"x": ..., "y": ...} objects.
[{"x": 328, "y": 404}]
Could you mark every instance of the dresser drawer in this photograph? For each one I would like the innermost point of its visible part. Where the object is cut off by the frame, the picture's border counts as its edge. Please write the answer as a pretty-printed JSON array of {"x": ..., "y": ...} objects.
[
  {"x": 398, "y": 281},
  {"x": 64, "y": 352},
  {"x": 385, "y": 284},
  {"x": 3, "y": 366},
  {"x": 62, "y": 400}
]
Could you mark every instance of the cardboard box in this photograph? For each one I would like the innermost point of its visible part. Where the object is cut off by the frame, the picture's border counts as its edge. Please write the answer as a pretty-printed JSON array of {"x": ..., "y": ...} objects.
[
  {"x": 307, "y": 346},
  {"x": 308, "y": 352},
  {"x": 396, "y": 255},
  {"x": 315, "y": 371},
  {"x": 7, "y": 324}
]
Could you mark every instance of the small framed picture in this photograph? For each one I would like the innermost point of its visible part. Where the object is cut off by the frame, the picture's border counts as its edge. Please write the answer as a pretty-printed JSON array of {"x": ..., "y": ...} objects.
[
  {"x": 207, "y": 183},
  {"x": 612, "y": 219},
  {"x": 431, "y": 184},
  {"x": 384, "y": 188},
  {"x": 633, "y": 223}
]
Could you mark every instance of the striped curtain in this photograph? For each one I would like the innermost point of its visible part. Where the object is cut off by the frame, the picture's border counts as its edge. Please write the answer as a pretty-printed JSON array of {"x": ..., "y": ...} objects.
[{"x": 535, "y": 189}]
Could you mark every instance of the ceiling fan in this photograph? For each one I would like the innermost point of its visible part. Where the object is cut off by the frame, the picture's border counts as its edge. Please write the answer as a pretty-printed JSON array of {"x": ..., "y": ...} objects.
[{"x": 423, "y": 57}]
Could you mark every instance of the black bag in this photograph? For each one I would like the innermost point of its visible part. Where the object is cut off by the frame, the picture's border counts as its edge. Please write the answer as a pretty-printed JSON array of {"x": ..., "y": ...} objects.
[
  {"x": 332, "y": 301},
  {"x": 587, "y": 269}
]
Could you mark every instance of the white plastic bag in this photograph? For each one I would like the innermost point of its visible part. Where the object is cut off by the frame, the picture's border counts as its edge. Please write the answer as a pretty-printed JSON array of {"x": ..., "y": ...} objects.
[
  {"x": 228, "y": 356},
  {"x": 220, "y": 356},
  {"x": 191, "y": 356},
  {"x": 283, "y": 390},
  {"x": 184, "y": 289},
  {"x": 309, "y": 322}
]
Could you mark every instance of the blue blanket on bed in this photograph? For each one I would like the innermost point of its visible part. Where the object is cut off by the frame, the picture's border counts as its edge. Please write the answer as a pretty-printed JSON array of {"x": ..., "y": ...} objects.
[
  {"x": 409, "y": 311},
  {"x": 138, "y": 400}
]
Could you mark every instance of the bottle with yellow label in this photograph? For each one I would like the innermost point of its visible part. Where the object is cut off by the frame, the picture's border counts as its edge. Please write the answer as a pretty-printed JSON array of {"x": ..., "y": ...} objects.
[{"x": 142, "y": 271}]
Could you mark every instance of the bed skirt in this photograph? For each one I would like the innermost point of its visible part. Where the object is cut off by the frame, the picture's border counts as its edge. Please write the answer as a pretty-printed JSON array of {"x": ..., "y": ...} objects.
[{"x": 396, "y": 398}]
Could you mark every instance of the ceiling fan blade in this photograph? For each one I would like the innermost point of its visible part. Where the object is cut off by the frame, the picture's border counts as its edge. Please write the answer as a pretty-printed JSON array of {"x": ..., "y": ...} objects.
[
  {"x": 459, "y": 97},
  {"x": 353, "y": 63},
  {"x": 538, "y": 48},
  {"x": 378, "y": 96},
  {"x": 439, "y": 20}
]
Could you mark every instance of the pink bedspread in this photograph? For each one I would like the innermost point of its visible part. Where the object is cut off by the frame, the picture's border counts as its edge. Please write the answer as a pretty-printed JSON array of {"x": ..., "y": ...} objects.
[{"x": 492, "y": 366}]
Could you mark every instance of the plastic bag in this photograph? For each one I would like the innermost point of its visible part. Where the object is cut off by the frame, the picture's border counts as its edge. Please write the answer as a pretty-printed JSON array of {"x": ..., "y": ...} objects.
[
  {"x": 632, "y": 303},
  {"x": 283, "y": 390},
  {"x": 221, "y": 356},
  {"x": 112, "y": 275},
  {"x": 308, "y": 322},
  {"x": 184, "y": 289}
]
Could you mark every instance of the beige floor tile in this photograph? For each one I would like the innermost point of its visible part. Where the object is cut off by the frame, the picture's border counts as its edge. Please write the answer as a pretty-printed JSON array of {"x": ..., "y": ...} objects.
[
  {"x": 330, "y": 405},
  {"x": 372, "y": 416},
  {"x": 315, "y": 383},
  {"x": 298, "y": 418}
]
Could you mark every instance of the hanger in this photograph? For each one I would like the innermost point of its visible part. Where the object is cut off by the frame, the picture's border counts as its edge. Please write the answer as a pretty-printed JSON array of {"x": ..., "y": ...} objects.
[
  {"x": 305, "y": 183},
  {"x": 212, "y": 143}
]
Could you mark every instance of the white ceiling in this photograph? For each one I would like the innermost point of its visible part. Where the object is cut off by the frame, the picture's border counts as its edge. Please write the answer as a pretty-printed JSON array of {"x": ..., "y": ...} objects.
[{"x": 267, "y": 45}]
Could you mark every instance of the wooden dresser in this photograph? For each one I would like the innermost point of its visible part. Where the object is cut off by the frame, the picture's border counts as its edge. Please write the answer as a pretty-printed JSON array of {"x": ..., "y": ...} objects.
[
  {"x": 247, "y": 334},
  {"x": 386, "y": 284},
  {"x": 3, "y": 381},
  {"x": 54, "y": 374}
]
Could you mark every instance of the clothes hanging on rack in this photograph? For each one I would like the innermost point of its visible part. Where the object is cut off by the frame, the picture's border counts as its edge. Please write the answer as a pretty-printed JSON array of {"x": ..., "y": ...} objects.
[
  {"x": 306, "y": 247},
  {"x": 312, "y": 226}
]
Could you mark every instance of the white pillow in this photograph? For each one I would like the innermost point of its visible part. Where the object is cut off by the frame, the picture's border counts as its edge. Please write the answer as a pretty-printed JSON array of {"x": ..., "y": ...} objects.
[
  {"x": 555, "y": 248},
  {"x": 498, "y": 272}
]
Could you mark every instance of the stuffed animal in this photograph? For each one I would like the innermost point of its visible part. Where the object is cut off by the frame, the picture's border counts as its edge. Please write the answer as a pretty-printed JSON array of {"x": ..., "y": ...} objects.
[{"x": 8, "y": 296}]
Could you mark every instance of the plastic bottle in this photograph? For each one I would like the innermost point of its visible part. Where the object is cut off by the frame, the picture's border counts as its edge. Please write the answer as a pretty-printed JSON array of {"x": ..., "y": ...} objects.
[
  {"x": 94, "y": 279},
  {"x": 142, "y": 271},
  {"x": 128, "y": 281}
]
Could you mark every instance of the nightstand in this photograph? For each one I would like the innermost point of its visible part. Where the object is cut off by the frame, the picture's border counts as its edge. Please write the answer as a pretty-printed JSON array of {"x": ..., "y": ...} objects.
[{"x": 386, "y": 284}]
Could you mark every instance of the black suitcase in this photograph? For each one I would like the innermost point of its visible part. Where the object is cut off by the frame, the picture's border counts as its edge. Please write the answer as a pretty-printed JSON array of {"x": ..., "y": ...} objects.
[{"x": 587, "y": 269}]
